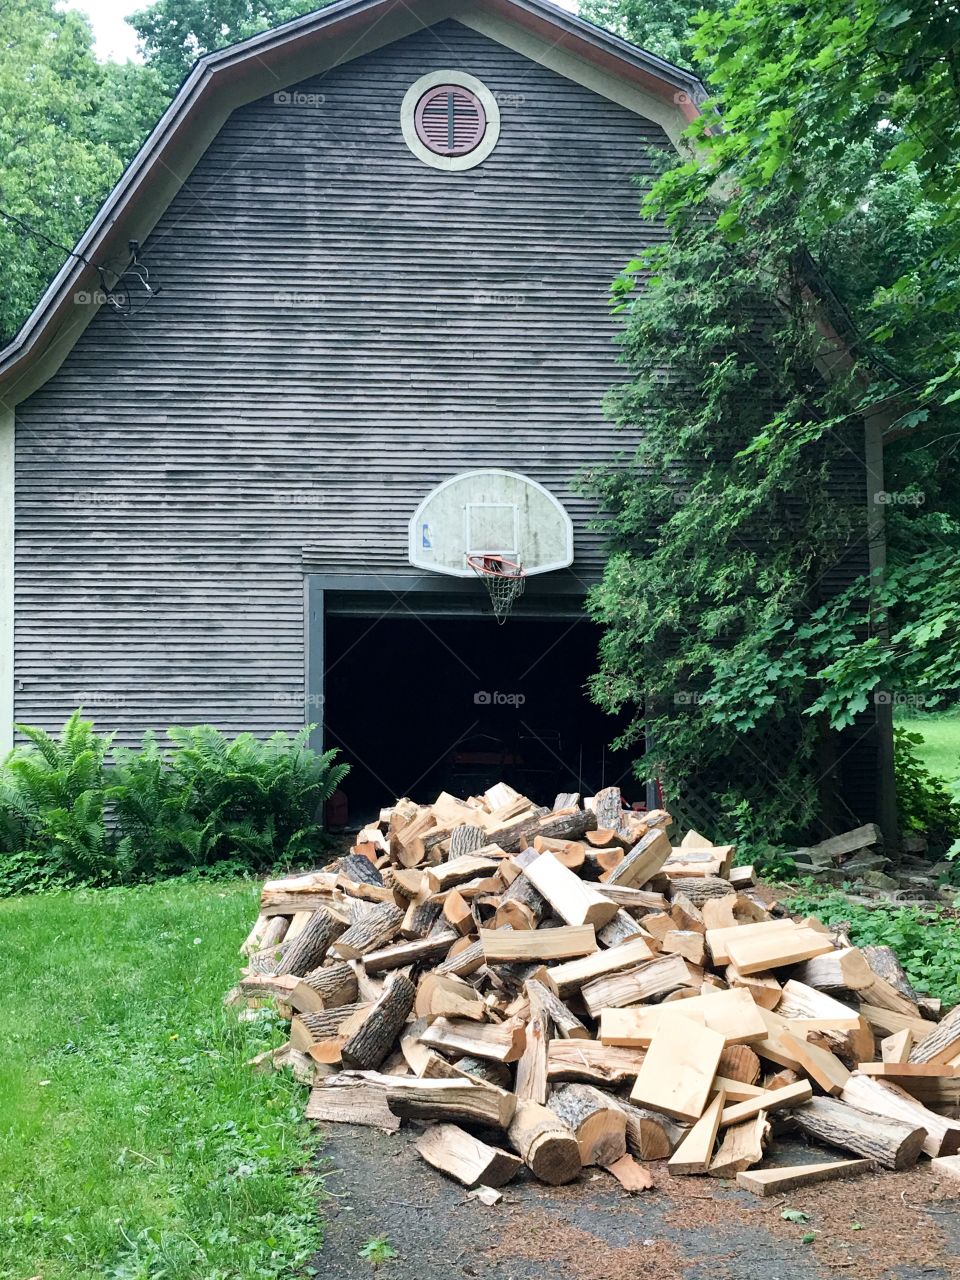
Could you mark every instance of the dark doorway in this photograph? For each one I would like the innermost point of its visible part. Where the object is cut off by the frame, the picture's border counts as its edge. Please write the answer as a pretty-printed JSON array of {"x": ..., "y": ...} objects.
[{"x": 423, "y": 705}]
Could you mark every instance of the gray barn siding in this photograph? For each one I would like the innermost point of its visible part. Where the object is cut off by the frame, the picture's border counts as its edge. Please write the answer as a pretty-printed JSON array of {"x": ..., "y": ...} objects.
[{"x": 341, "y": 327}]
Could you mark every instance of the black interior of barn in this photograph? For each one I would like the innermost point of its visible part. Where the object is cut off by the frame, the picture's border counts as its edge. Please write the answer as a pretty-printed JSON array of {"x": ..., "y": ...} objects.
[{"x": 418, "y": 705}]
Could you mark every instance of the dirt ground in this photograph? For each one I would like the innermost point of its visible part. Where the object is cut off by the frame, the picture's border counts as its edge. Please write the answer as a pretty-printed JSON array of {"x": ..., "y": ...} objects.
[{"x": 880, "y": 1227}]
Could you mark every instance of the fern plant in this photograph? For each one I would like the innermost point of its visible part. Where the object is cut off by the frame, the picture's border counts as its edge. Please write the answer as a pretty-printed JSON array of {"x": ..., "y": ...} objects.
[{"x": 52, "y": 794}]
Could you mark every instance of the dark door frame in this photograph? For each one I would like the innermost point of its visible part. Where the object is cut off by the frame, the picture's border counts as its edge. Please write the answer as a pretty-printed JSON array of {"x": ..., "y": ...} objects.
[{"x": 374, "y": 595}]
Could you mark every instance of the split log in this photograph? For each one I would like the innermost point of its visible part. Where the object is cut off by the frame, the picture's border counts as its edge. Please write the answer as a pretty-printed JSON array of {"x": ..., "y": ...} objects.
[
  {"x": 845, "y": 969},
  {"x": 942, "y": 1043},
  {"x": 567, "y": 1025},
  {"x": 465, "y": 839},
  {"x": 632, "y": 1177},
  {"x": 651, "y": 1135},
  {"x": 308, "y": 1029},
  {"x": 502, "y": 1042},
  {"x": 698, "y": 889},
  {"x": 559, "y": 826},
  {"x": 763, "y": 987},
  {"x": 622, "y": 928},
  {"x": 608, "y": 808},
  {"x": 521, "y": 906},
  {"x": 404, "y": 953},
  {"x": 376, "y": 928},
  {"x": 468, "y": 1101},
  {"x": 421, "y": 915},
  {"x": 359, "y": 869},
  {"x": 531, "y": 1085},
  {"x": 312, "y": 944},
  {"x": 335, "y": 985},
  {"x": 643, "y": 861},
  {"x": 590, "y": 1062},
  {"x": 896, "y": 1048},
  {"x": 347, "y": 1099},
  {"x": 739, "y": 1062},
  {"x": 373, "y": 1041},
  {"x": 444, "y": 996},
  {"x": 546, "y": 1145},
  {"x": 885, "y": 964},
  {"x": 275, "y": 932},
  {"x": 573, "y": 900},
  {"x": 892, "y": 1143},
  {"x": 742, "y": 1146},
  {"x": 454, "y": 1151},
  {"x": 655, "y": 978},
  {"x": 598, "y": 1124},
  {"x": 484, "y": 1069},
  {"x": 569, "y": 977},
  {"x": 457, "y": 912},
  {"x": 883, "y": 1098}
]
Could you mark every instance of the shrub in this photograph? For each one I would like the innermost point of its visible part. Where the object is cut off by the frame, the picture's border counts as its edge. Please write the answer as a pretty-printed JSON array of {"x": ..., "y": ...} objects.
[
  {"x": 924, "y": 802},
  {"x": 68, "y": 817}
]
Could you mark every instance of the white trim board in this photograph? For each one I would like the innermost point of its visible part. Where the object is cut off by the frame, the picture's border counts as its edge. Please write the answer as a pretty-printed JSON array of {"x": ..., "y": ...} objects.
[{"x": 7, "y": 471}]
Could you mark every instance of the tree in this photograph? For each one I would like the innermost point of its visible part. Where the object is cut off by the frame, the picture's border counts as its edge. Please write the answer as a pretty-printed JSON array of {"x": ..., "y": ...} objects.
[
  {"x": 174, "y": 33},
  {"x": 835, "y": 243},
  {"x": 663, "y": 27},
  {"x": 67, "y": 127}
]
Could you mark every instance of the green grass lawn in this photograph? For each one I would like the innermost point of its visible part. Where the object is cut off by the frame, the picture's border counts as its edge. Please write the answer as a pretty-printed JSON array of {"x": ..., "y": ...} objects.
[
  {"x": 940, "y": 751},
  {"x": 135, "y": 1144}
]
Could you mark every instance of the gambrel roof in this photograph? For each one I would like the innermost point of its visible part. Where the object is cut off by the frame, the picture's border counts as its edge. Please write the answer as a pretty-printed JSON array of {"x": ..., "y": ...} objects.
[{"x": 222, "y": 81}]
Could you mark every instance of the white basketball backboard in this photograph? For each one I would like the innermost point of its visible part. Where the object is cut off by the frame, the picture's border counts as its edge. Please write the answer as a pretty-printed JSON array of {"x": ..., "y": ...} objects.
[{"x": 490, "y": 512}]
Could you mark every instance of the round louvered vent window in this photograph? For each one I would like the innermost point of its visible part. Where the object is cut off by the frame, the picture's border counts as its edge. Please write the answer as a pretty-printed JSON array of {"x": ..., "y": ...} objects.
[{"x": 450, "y": 120}]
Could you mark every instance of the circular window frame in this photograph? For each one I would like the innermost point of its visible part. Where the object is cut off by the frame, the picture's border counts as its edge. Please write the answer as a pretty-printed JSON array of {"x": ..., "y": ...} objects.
[{"x": 408, "y": 112}]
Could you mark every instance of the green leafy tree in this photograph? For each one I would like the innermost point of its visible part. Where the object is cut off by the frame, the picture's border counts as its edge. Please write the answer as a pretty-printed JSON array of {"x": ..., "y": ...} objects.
[
  {"x": 68, "y": 125},
  {"x": 174, "y": 33},
  {"x": 808, "y": 281},
  {"x": 663, "y": 27}
]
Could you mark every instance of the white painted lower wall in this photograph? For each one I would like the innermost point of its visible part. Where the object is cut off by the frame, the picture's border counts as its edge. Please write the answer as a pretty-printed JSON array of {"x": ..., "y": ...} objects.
[{"x": 6, "y": 576}]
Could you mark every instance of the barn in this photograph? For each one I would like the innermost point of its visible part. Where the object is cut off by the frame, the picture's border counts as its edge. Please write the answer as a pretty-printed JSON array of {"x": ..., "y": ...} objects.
[{"x": 341, "y": 328}]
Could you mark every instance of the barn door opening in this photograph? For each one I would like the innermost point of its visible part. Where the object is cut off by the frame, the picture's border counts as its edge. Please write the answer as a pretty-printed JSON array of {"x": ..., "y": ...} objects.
[{"x": 418, "y": 705}]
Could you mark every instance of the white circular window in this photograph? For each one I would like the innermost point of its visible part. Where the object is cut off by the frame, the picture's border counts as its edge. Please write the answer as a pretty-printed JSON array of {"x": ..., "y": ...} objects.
[{"x": 450, "y": 120}]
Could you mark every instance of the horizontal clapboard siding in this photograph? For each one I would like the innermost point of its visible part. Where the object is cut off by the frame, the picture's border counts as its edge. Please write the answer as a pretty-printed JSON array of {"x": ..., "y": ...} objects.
[{"x": 341, "y": 328}]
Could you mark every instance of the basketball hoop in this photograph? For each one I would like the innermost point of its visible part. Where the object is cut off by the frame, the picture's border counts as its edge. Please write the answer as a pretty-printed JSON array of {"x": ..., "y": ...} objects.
[{"x": 503, "y": 579}]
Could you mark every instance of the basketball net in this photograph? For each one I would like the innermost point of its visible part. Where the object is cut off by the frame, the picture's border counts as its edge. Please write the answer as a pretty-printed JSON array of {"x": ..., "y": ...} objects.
[{"x": 503, "y": 579}]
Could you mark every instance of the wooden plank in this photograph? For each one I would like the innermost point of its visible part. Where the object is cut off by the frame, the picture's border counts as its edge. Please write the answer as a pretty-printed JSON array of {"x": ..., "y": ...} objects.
[
  {"x": 790, "y": 1095},
  {"x": 678, "y": 1069},
  {"x": 696, "y": 1150},
  {"x": 538, "y": 944},
  {"x": 731, "y": 1013},
  {"x": 718, "y": 939},
  {"x": 820, "y": 1064},
  {"x": 777, "y": 949},
  {"x": 351, "y": 1101},
  {"x": 564, "y": 978},
  {"x": 896, "y": 1047},
  {"x": 645, "y": 859},
  {"x": 887, "y": 1022},
  {"x": 773, "y": 1182},
  {"x": 571, "y": 898},
  {"x": 946, "y": 1166},
  {"x": 909, "y": 1070},
  {"x": 449, "y": 874}
]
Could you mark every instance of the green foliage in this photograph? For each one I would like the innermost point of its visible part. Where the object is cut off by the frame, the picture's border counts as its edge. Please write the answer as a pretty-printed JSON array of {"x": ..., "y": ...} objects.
[
  {"x": 377, "y": 1250},
  {"x": 69, "y": 817},
  {"x": 255, "y": 801},
  {"x": 663, "y": 27},
  {"x": 137, "y": 1143},
  {"x": 723, "y": 630},
  {"x": 174, "y": 33},
  {"x": 924, "y": 802},
  {"x": 926, "y": 940},
  {"x": 68, "y": 125}
]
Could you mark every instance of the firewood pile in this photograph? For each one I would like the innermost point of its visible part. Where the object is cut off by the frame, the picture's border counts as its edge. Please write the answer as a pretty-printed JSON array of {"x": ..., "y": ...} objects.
[{"x": 563, "y": 988}]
